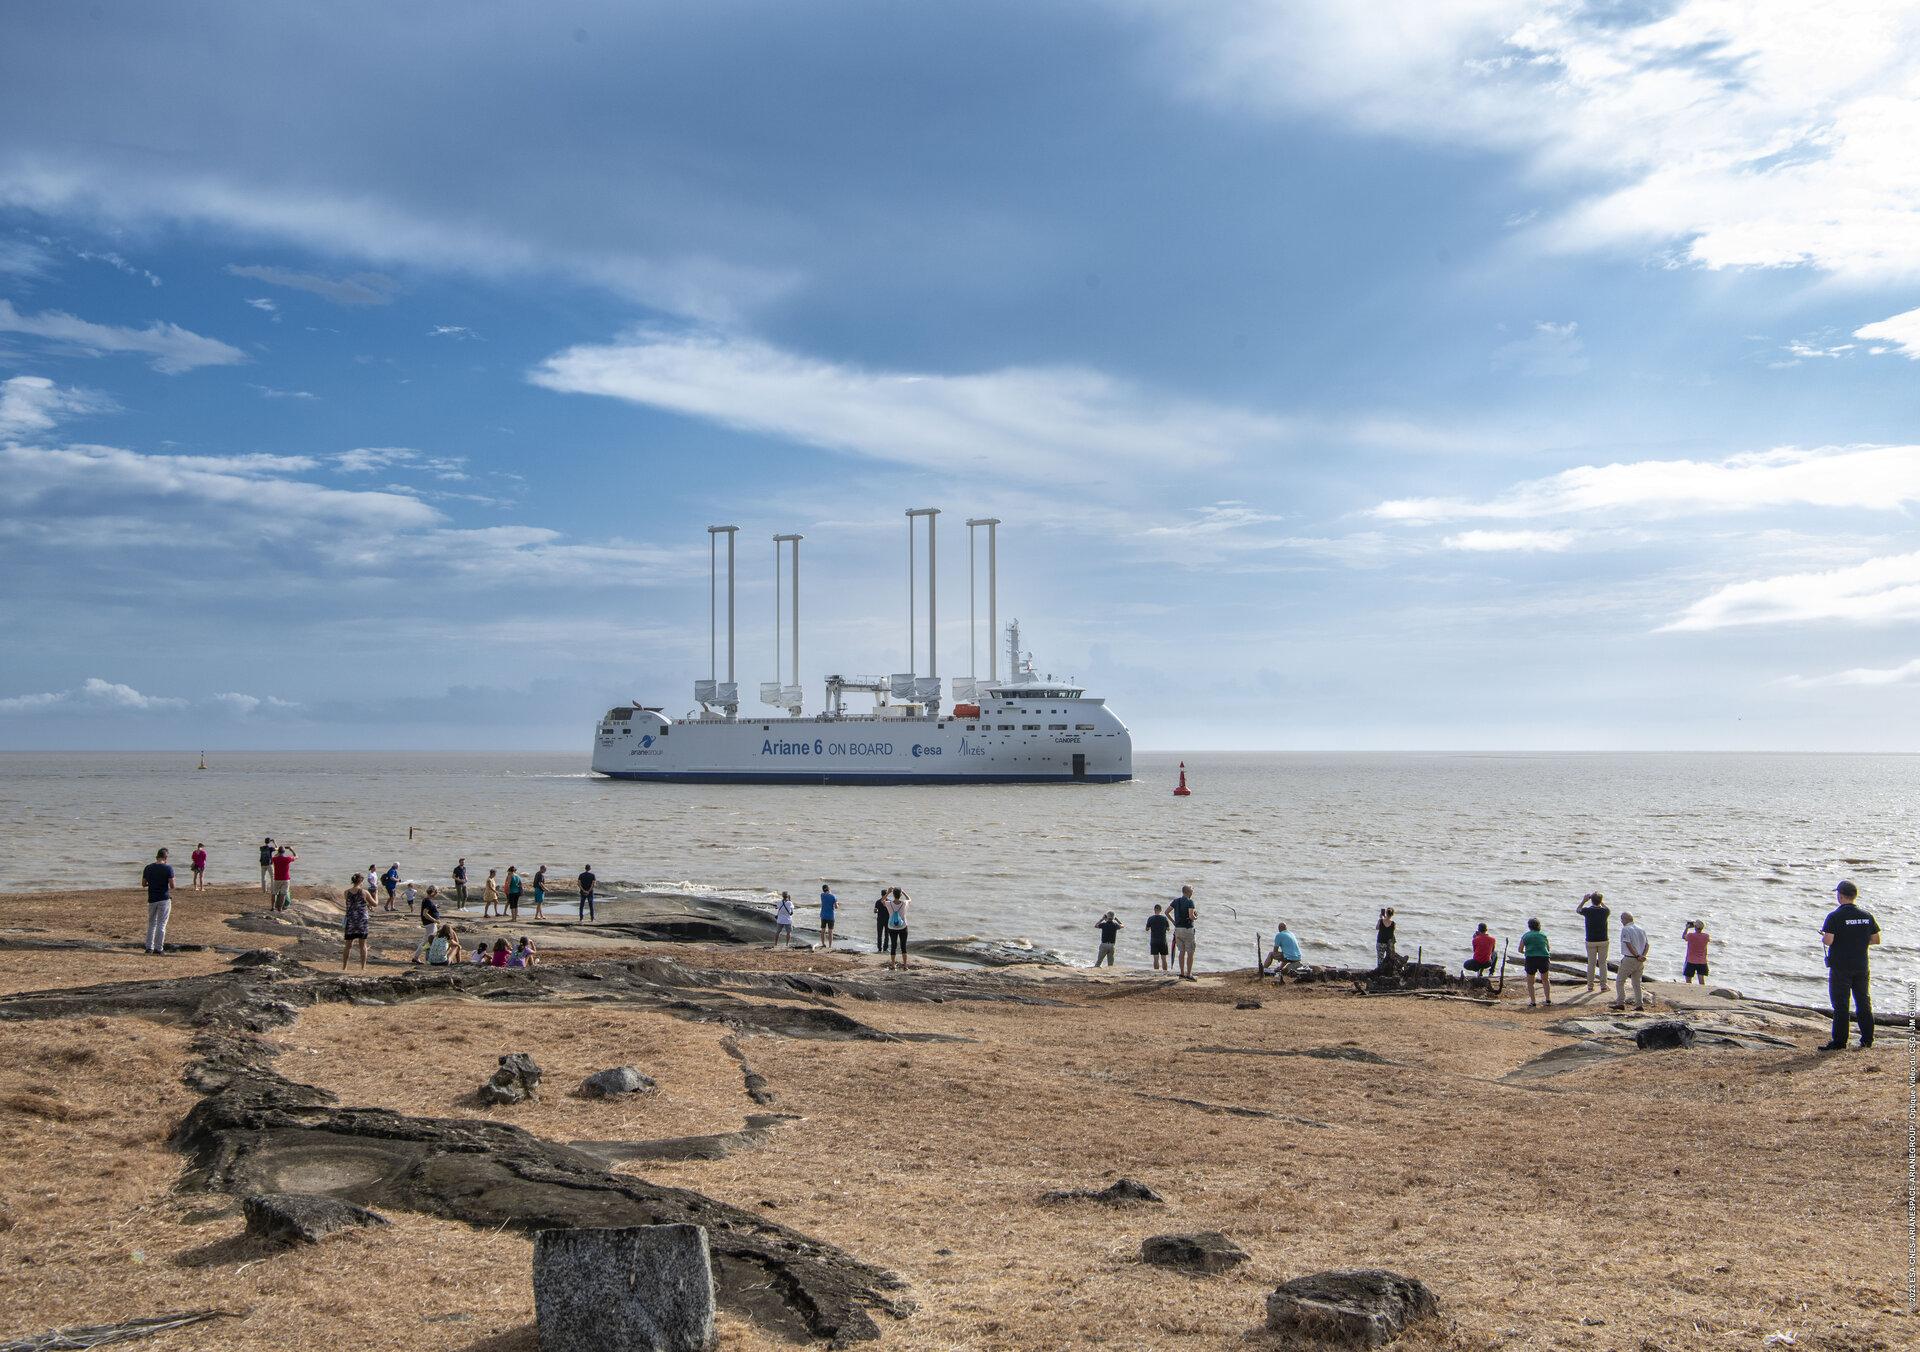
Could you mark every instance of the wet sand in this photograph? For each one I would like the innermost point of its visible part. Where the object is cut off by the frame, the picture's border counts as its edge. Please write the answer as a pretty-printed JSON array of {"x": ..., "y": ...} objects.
[{"x": 1706, "y": 1198}]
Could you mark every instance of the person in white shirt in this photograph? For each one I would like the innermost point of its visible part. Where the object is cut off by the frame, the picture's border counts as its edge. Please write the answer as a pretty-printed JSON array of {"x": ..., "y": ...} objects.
[
  {"x": 783, "y": 921},
  {"x": 1633, "y": 961}
]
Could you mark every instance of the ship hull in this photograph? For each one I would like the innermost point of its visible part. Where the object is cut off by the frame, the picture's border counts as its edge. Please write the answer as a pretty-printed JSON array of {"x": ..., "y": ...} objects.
[{"x": 1085, "y": 744}]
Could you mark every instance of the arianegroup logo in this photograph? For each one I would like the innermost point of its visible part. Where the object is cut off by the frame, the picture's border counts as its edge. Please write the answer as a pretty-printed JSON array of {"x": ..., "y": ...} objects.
[{"x": 647, "y": 740}]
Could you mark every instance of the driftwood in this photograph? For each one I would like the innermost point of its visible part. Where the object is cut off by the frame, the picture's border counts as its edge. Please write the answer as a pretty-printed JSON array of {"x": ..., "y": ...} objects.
[{"x": 100, "y": 1335}]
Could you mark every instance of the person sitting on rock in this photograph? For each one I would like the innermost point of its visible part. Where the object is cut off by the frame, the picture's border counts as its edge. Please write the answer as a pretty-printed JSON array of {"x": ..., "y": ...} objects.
[
  {"x": 479, "y": 958},
  {"x": 522, "y": 954},
  {"x": 1284, "y": 956},
  {"x": 500, "y": 954},
  {"x": 1482, "y": 962},
  {"x": 440, "y": 947}
]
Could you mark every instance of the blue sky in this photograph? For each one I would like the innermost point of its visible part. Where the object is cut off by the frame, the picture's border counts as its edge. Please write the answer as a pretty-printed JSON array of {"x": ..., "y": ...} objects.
[{"x": 1397, "y": 375}]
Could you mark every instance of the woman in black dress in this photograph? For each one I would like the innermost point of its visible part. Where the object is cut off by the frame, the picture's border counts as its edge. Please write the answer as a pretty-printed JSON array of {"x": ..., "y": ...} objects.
[{"x": 355, "y": 927}]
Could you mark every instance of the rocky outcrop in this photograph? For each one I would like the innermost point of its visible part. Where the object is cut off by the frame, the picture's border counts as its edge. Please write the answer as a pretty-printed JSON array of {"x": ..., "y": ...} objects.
[
  {"x": 1665, "y": 1035},
  {"x": 303, "y": 1217},
  {"x": 1117, "y": 1193},
  {"x": 1202, "y": 1251},
  {"x": 260, "y": 1134},
  {"x": 1358, "y": 1307},
  {"x": 675, "y": 1149}
]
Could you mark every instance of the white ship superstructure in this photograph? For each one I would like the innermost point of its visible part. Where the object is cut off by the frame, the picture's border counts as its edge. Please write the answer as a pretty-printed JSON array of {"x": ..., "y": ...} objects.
[{"x": 1023, "y": 729}]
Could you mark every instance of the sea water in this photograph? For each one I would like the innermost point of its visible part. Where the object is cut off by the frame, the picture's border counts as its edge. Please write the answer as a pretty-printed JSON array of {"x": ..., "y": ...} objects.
[{"x": 1750, "y": 844}]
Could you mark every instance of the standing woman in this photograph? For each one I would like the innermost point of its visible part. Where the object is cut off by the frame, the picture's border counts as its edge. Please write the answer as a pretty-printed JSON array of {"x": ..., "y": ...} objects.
[
  {"x": 492, "y": 898},
  {"x": 1537, "y": 951},
  {"x": 897, "y": 928},
  {"x": 1383, "y": 938},
  {"x": 513, "y": 892},
  {"x": 540, "y": 893},
  {"x": 355, "y": 927},
  {"x": 1694, "y": 935},
  {"x": 199, "y": 868},
  {"x": 783, "y": 921},
  {"x": 880, "y": 922}
]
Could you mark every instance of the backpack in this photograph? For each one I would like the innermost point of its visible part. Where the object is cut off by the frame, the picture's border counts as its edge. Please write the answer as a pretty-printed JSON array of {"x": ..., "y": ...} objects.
[{"x": 896, "y": 919}]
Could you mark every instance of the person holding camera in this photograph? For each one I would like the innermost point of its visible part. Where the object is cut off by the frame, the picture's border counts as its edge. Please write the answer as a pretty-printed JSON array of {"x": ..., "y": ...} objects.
[
  {"x": 1385, "y": 930},
  {"x": 1593, "y": 910}
]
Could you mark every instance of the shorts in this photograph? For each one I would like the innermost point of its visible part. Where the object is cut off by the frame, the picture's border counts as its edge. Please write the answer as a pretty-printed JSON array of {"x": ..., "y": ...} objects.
[
  {"x": 1157, "y": 948},
  {"x": 1537, "y": 966},
  {"x": 826, "y": 921},
  {"x": 1183, "y": 939},
  {"x": 1693, "y": 969}
]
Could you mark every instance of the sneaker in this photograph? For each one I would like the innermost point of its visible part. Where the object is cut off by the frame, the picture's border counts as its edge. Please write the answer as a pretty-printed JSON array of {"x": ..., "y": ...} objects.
[{"x": 1831, "y": 1047}]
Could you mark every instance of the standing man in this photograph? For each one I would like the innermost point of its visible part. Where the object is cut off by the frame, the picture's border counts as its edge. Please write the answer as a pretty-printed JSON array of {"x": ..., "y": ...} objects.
[
  {"x": 1157, "y": 927},
  {"x": 1633, "y": 961},
  {"x": 1593, "y": 910},
  {"x": 587, "y": 881},
  {"x": 829, "y": 904},
  {"x": 1184, "y": 911},
  {"x": 460, "y": 885},
  {"x": 283, "y": 877},
  {"x": 1109, "y": 927},
  {"x": 1848, "y": 933},
  {"x": 266, "y": 864},
  {"x": 158, "y": 877},
  {"x": 390, "y": 880}
]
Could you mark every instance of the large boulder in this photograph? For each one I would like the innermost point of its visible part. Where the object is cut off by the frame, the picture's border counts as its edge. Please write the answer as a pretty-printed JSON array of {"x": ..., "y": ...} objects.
[
  {"x": 1356, "y": 1307},
  {"x": 517, "y": 1080},
  {"x": 610, "y": 1083},
  {"x": 303, "y": 1217},
  {"x": 1204, "y": 1251},
  {"x": 641, "y": 1288},
  {"x": 1666, "y": 1035}
]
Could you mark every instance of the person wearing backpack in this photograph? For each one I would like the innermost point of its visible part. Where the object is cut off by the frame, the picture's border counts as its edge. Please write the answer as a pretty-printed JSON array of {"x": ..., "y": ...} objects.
[{"x": 897, "y": 928}]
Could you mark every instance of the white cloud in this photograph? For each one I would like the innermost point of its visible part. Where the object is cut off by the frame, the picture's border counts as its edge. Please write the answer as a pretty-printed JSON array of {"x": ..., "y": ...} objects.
[
  {"x": 1877, "y": 478},
  {"x": 1221, "y": 516},
  {"x": 1901, "y": 333},
  {"x": 1757, "y": 132},
  {"x": 1524, "y": 541},
  {"x": 369, "y": 459},
  {"x": 22, "y": 258},
  {"x": 268, "y": 392},
  {"x": 30, "y": 404},
  {"x": 1029, "y": 421},
  {"x": 363, "y": 288},
  {"x": 94, "y": 695},
  {"x": 263, "y": 303},
  {"x": 172, "y": 348},
  {"x": 1905, "y": 674},
  {"x": 1880, "y": 591},
  {"x": 457, "y": 332}
]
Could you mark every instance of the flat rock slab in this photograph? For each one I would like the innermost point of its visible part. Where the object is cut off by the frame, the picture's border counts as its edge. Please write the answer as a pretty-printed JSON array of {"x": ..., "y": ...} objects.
[
  {"x": 1202, "y": 1251},
  {"x": 1117, "y": 1193},
  {"x": 718, "y": 1146},
  {"x": 1355, "y": 1307},
  {"x": 1666, "y": 1035},
  {"x": 303, "y": 1217},
  {"x": 1573, "y": 1056},
  {"x": 640, "y": 1288},
  {"x": 612, "y": 1083}
]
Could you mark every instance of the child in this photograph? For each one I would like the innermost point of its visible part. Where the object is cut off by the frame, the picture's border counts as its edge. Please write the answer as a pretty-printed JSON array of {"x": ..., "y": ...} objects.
[
  {"x": 480, "y": 954},
  {"x": 499, "y": 958},
  {"x": 439, "y": 946},
  {"x": 523, "y": 954},
  {"x": 410, "y": 895}
]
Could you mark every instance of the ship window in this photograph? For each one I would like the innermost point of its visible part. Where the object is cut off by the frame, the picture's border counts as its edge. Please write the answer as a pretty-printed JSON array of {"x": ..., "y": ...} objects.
[
  {"x": 1083, "y": 727},
  {"x": 1030, "y": 727},
  {"x": 972, "y": 728},
  {"x": 1006, "y": 727},
  {"x": 627, "y": 732},
  {"x": 1056, "y": 727}
]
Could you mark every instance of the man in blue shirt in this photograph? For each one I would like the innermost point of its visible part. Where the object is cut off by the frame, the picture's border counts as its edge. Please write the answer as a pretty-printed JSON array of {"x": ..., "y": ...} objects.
[
  {"x": 1285, "y": 954},
  {"x": 158, "y": 878},
  {"x": 828, "y": 905}
]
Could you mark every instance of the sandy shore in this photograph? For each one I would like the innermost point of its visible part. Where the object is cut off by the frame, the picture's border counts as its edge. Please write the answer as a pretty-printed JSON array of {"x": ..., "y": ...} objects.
[{"x": 1598, "y": 1199}]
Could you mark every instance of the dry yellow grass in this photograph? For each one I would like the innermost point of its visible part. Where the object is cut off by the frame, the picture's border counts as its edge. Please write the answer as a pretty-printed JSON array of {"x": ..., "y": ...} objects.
[{"x": 1690, "y": 1200}]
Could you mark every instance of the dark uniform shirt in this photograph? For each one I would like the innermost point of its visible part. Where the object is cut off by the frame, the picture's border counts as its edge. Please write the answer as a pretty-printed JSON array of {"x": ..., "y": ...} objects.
[
  {"x": 1109, "y": 931},
  {"x": 1852, "y": 929},
  {"x": 1596, "y": 918}
]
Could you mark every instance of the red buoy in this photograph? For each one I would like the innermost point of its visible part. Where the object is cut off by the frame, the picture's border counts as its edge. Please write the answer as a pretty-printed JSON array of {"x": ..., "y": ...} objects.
[{"x": 1183, "y": 791}]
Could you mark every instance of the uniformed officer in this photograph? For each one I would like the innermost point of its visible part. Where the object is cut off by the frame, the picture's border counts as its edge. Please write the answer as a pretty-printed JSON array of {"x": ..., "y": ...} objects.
[{"x": 1848, "y": 933}]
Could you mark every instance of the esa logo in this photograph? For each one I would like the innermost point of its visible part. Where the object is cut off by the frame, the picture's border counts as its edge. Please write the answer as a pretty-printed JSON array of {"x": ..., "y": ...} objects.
[
  {"x": 919, "y": 750},
  {"x": 647, "y": 740}
]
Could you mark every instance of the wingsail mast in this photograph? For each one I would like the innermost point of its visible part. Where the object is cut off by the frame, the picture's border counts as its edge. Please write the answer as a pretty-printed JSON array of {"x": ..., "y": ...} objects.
[{"x": 712, "y": 691}]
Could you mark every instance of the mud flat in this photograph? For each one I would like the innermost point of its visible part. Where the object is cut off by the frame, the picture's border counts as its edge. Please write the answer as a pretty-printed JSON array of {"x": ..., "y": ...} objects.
[{"x": 870, "y": 1150}]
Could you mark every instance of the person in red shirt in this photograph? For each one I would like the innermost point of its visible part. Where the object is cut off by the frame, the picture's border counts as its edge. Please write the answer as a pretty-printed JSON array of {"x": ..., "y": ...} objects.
[
  {"x": 1482, "y": 961},
  {"x": 283, "y": 877},
  {"x": 199, "y": 868}
]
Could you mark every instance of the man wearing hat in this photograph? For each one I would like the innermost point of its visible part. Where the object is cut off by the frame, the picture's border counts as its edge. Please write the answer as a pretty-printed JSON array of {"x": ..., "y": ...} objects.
[{"x": 1848, "y": 933}]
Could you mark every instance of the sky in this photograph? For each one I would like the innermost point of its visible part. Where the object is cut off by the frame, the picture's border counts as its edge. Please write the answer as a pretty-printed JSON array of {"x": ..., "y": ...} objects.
[{"x": 1390, "y": 375}]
